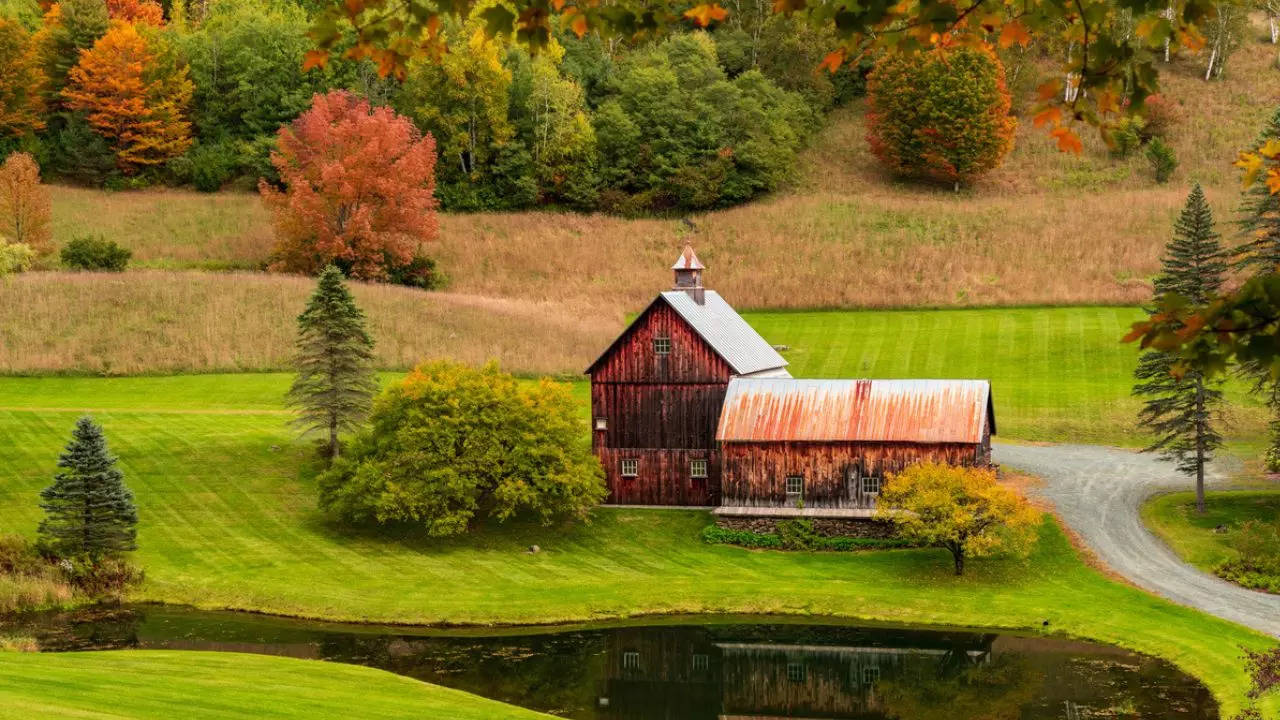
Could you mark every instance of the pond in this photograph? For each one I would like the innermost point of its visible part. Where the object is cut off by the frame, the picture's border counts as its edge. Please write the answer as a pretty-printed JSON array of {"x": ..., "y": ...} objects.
[{"x": 692, "y": 668}]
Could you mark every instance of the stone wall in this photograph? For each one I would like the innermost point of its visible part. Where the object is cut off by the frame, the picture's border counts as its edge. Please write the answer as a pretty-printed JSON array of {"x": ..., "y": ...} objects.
[{"x": 827, "y": 527}]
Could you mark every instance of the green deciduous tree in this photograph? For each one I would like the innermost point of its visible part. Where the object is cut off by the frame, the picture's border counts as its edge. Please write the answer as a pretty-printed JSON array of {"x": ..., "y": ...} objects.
[
  {"x": 69, "y": 27},
  {"x": 941, "y": 115},
  {"x": 463, "y": 102},
  {"x": 450, "y": 446},
  {"x": 1179, "y": 407},
  {"x": 961, "y": 509},
  {"x": 88, "y": 510},
  {"x": 335, "y": 383}
]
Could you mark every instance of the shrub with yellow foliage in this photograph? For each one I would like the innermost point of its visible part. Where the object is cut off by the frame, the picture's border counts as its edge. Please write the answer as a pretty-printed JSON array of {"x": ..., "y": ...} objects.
[{"x": 962, "y": 509}]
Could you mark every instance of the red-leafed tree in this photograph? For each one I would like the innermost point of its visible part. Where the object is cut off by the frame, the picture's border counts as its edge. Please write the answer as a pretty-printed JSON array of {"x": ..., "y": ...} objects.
[
  {"x": 942, "y": 114},
  {"x": 136, "y": 11},
  {"x": 359, "y": 191}
]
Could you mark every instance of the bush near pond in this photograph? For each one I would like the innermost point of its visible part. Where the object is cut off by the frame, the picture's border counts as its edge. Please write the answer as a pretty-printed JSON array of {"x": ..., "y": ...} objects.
[{"x": 451, "y": 446}]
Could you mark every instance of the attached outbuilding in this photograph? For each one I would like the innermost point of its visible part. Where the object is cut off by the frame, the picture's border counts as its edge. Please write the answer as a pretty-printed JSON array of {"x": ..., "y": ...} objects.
[{"x": 789, "y": 443}]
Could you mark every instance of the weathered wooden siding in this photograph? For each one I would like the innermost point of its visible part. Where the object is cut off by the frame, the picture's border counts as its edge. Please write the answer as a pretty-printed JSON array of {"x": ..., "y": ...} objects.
[
  {"x": 657, "y": 416},
  {"x": 663, "y": 477},
  {"x": 659, "y": 410},
  {"x": 632, "y": 360},
  {"x": 754, "y": 474}
]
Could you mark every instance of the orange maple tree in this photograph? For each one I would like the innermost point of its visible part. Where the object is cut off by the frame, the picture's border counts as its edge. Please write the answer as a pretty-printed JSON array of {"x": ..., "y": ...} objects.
[
  {"x": 24, "y": 204},
  {"x": 22, "y": 82},
  {"x": 134, "y": 95},
  {"x": 136, "y": 11},
  {"x": 359, "y": 190}
]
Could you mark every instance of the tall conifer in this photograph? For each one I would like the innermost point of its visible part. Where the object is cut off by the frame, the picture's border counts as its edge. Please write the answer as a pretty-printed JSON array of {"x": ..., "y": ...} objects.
[
  {"x": 335, "y": 384},
  {"x": 88, "y": 509},
  {"x": 1179, "y": 406}
]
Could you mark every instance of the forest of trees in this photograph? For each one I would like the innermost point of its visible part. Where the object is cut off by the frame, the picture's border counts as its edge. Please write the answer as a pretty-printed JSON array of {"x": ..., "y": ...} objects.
[{"x": 130, "y": 93}]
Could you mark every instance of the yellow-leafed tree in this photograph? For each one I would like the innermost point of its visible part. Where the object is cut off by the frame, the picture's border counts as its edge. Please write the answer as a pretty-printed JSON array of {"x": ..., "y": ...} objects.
[
  {"x": 21, "y": 82},
  {"x": 134, "y": 94},
  {"x": 962, "y": 509}
]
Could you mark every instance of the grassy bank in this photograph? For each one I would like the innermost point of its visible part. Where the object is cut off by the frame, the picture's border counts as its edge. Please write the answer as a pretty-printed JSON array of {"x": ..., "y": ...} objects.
[
  {"x": 154, "y": 684},
  {"x": 227, "y": 521},
  {"x": 1194, "y": 537},
  {"x": 1046, "y": 228}
]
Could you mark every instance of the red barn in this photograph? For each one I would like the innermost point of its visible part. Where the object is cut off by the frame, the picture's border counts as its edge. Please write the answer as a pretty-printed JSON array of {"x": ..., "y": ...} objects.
[
  {"x": 657, "y": 391},
  {"x": 690, "y": 406}
]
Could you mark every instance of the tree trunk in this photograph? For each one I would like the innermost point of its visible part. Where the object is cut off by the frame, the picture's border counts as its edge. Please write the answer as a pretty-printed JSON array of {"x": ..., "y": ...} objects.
[
  {"x": 957, "y": 554},
  {"x": 1212, "y": 56},
  {"x": 1274, "y": 27},
  {"x": 333, "y": 437},
  {"x": 1200, "y": 442}
]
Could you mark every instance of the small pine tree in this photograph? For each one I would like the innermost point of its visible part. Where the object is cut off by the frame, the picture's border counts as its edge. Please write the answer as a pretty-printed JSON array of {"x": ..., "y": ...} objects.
[
  {"x": 1179, "y": 408},
  {"x": 88, "y": 510},
  {"x": 335, "y": 384},
  {"x": 1162, "y": 159}
]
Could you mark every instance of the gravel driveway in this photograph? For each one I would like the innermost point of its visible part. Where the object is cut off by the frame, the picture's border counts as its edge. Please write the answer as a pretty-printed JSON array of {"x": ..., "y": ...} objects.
[{"x": 1098, "y": 492}]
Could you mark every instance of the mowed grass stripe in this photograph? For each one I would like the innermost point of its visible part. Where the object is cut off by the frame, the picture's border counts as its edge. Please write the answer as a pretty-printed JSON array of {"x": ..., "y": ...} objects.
[{"x": 152, "y": 684}]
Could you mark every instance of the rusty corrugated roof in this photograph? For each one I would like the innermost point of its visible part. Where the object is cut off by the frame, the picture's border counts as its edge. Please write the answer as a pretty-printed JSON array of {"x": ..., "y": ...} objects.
[{"x": 923, "y": 411}]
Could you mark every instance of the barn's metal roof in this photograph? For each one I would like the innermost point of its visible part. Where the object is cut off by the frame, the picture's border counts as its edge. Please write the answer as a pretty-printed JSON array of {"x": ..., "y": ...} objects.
[
  {"x": 921, "y": 411},
  {"x": 725, "y": 331}
]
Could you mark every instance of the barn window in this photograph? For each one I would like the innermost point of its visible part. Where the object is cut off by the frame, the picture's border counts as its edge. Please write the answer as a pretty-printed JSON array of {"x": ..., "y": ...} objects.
[
  {"x": 602, "y": 424},
  {"x": 795, "y": 672},
  {"x": 795, "y": 484},
  {"x": 697, "y": 468},
  {"x": 701, "y": 662},
  {"x": 630, "y": 467},
  {"x": 662, "y": 345},
  {"x": 631, "y": 660},
  {"x": 871, "y": 485},
  {"x": 870, "y": 675}
]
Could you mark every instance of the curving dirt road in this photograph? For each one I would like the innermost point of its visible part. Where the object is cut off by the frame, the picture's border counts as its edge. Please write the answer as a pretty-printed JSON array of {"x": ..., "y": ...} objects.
[{"x": 1098, "y": 492}]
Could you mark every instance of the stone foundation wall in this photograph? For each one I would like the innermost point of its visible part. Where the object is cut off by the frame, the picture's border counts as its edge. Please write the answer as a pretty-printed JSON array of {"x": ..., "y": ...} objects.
[{"x": 826, "y": 527}]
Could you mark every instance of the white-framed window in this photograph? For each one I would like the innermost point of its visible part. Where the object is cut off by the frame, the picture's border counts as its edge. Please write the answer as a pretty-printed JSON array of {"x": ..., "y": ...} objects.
[
  {"x": 630, "y": 467},
  {"x": 701, "y": 662},
  {"x": 662, "y": 345},
  {"x": 630, "y": 660},
  {"x": 871, "y": 485},
  {"x": 870, "y": 675},
  {"x": 795, "y": 672},
  {"x": 795, "y": 485},
  {"x": 697, "y": 468},
  {"x": 602, "y": 424}
]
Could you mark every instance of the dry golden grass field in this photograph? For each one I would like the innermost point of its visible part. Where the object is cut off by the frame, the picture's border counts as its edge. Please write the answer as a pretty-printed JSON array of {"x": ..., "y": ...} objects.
[{"x": 1046, "y": 228}]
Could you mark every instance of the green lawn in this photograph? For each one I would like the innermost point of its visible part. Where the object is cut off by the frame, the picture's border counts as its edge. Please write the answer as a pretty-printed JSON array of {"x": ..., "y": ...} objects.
[
  {"x": 164, "y": 684},
  {"x": 1057, "y": 374},
  {"x": 1173, "y": 517},
  {"x": 228, "y": 521}
]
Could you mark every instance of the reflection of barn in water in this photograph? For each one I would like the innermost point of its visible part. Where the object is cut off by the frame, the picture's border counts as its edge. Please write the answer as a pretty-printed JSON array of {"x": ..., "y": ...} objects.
[{"x": 738, "y": 672}]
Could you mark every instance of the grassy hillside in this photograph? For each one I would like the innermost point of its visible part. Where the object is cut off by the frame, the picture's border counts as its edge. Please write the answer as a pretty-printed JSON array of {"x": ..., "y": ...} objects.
[
  {"x": 1046, "y": 228},
  {"x": 228, "y": 521},
  {"x": 153, "y": 684}
]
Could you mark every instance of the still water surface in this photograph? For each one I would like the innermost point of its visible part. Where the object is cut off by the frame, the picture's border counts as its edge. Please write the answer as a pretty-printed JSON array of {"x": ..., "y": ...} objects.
[{"x": 700, "y": 669}]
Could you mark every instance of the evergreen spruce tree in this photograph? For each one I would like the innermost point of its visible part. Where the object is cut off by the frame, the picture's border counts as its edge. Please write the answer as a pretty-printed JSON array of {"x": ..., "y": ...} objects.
[
  {"x": 335, "y": 384},
  {"x": 88, "y": 509},
  {"x": 1179, "y": 407}
]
